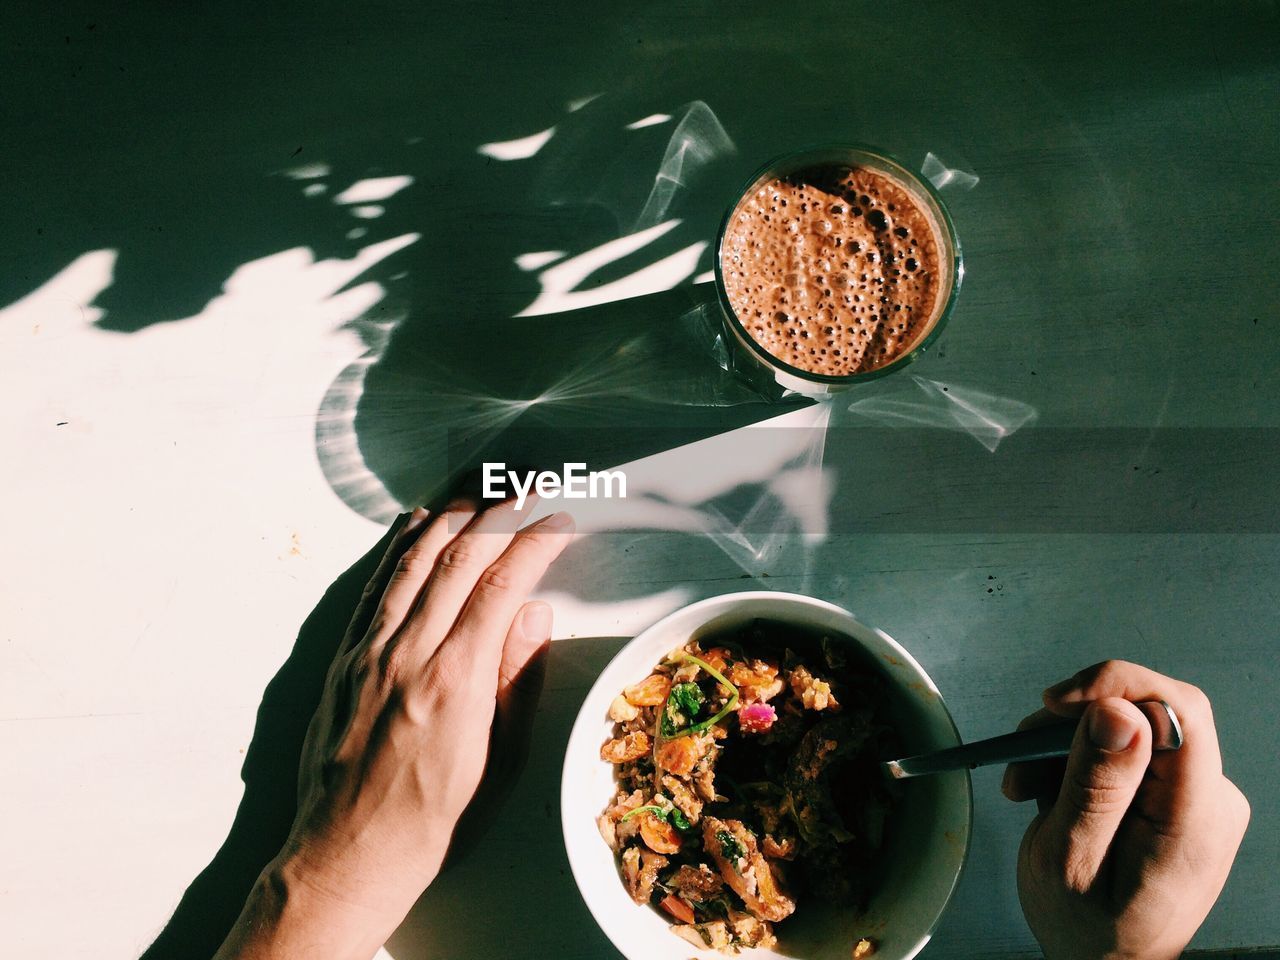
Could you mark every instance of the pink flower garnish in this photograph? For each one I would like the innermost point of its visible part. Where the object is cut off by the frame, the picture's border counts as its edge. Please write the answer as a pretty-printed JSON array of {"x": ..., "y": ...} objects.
[{"x": 756, "y": 717}]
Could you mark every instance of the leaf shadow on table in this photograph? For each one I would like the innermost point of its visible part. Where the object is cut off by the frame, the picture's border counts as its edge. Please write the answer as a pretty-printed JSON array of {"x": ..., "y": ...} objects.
[
  {"x": 188, "y": 203},
  {"x": 604, "y": 386},
  {"x": 996, "y": 95}
]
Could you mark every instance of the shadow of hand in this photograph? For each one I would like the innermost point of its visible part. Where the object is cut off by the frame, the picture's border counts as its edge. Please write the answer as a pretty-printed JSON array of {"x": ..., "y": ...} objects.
[
  {"x": 212, "y": 902},
  {"x": 516, "y": 842},
  {"x": 509, "y": 877}
]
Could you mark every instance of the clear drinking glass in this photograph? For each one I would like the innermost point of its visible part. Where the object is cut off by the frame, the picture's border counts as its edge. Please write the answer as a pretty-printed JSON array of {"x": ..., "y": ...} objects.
[{"x": 771, "y": 373}]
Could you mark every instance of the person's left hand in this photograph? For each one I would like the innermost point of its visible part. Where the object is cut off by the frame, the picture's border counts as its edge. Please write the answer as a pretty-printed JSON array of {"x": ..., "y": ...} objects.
[{"x": 442, "y": 655}]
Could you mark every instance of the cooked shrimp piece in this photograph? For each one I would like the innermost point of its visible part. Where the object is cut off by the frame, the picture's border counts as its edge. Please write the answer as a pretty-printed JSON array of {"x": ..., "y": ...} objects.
[
  {"x": 679, "y": 755},
  {"x": 757, "y": 680},
  {"x": 736, "y": 854},
  {"x": 650, "y": 692},
  {"x": 633, "y": 746},
  {"x": 755, "y": 672},
  {"x": 658, "y": 835},
  {"x": 717, "y": 657}
]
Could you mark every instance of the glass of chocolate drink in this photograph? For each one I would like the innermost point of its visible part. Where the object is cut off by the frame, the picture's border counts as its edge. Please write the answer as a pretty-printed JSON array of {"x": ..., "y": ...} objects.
[{"x": 835, "y": 266}]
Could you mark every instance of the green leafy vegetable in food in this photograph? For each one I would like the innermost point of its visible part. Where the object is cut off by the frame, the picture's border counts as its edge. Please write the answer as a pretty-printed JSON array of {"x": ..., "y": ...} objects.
[
  {"x": 659, "y": 812},
  {"x": 730, "y": 848},
  {"x": 686, "y": 699},
  {"x": 672, "y": 815},
  {"x": 668, "y": 729}
]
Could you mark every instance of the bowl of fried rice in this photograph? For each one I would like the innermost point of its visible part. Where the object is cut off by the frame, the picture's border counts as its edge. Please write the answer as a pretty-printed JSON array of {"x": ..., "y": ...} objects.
[{"x": 722, "y": 791}]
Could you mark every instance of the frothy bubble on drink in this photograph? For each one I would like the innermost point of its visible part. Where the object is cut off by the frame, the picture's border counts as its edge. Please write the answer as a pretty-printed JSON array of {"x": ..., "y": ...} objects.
[{"x": 834, "y": 269}]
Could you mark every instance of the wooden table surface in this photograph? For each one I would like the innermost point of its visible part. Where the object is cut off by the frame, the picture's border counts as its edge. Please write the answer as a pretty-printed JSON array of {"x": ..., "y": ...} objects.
[{"x": 268, "y": 272}]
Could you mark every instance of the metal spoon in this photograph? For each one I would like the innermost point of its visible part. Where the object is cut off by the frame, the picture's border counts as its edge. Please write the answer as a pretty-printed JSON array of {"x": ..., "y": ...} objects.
[{"x": 1038, "y": 743}]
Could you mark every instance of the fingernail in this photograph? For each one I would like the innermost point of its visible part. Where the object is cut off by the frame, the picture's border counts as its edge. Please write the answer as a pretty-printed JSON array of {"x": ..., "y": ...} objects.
[
  {"x": 461, "y": 502},
  {"x": 413, "y": 520},
  {"x": 1111, "y": 729},
  {"x": 1061, "y": 687},
  {"x": 535, "y": 622},
  {"x": 557, "y": 521}
]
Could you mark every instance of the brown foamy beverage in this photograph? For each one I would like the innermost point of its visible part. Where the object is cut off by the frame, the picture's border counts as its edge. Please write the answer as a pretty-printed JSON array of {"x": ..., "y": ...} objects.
[{"x": 835, "y": 265}]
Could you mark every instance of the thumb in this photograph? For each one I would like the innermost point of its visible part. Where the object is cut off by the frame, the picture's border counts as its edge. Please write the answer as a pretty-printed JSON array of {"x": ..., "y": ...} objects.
[{"x": 1108, "y": 758}]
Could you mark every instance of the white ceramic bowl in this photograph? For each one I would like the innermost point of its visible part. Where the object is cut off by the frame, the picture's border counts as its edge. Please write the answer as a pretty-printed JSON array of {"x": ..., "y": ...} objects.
[{"x": 926, "y": 843}]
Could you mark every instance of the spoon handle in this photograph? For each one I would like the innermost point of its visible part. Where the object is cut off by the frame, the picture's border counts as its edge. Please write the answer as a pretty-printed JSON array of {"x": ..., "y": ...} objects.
[{"x": 1038, "y": 743}]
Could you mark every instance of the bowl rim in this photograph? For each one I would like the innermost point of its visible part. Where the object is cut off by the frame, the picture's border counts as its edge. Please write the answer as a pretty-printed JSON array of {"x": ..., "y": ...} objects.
[{"x": 581, "y": 721}]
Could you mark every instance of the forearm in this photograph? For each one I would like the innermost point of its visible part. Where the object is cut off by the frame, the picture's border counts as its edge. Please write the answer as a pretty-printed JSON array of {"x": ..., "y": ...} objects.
[{"x": 284, "y": 918}]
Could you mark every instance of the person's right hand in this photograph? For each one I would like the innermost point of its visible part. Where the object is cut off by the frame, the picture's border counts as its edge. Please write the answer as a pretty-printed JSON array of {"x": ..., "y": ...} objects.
[{"x": 1130, "y": 849}]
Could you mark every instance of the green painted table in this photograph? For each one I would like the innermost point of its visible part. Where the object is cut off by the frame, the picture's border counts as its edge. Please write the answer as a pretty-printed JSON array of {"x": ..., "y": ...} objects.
[{"x": 455, "y": 168}]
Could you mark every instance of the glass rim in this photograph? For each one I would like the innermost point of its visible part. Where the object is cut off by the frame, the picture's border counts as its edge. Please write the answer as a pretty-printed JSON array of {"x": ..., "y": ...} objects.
[{"x": 795, "y": 159}]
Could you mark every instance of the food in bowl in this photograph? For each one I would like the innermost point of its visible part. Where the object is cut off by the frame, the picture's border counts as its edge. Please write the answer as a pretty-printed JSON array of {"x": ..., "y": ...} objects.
[{"x": 747, "y": 779}]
